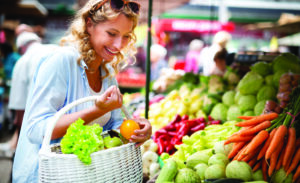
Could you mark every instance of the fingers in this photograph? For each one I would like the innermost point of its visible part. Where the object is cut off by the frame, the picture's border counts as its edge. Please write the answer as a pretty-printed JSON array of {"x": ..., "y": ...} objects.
[
  {"x": 109, "y": 91},
  {"x": 145, "y": 126},
  {"x": 110, "y": 99},
  {"x": 144, "y": 133},
  {"x": 139, "y": 138}
]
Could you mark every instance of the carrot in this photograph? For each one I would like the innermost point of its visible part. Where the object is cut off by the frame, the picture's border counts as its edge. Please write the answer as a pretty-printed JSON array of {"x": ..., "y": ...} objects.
[
  {"x": 258, "y": 119},
  {"x": 252, "y": 162},
  {"x": 280, "y": 159},
  {"x": 291, "y": 142},
  {"x": 266, "y": 144},
  {"x": 287, "y": 165},
  {"x": 264, "y": 168},
  {"x": 235, "y": 149},
  {"x": 298, "y": 143},
  {"x": 278, "y": 137},
  {"x": 257, "y": 165},
  {"x": 256, "y": 128},
  {"x": 245, "y": 117},
  {"x": 297, "y": 174},
  {"x": 238, "y": 138},
  {"x": 257, "y": 141},
  {"x": 294, "y": 163},
  {"x": 274, "y": 158},
  {"x": 251, "y": 155},
  {"x": 242, "y": 130},
  {"x": 240, "y": 152}
]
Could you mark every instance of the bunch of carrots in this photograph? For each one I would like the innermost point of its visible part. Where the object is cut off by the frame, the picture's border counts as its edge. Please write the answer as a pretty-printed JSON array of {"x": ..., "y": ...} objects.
[{"x": 269, "y": 141}]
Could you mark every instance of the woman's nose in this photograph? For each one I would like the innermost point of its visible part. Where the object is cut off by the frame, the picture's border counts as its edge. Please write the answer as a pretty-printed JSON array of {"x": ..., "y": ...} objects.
[{"x": 118, "y": 43}]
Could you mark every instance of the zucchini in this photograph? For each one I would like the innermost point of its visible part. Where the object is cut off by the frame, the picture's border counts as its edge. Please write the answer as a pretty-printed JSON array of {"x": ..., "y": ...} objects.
[{"x": 168, "y": 172}]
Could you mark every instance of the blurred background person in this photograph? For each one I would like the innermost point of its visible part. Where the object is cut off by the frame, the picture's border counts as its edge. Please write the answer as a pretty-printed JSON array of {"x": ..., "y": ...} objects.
[
  {"x": 23, "y": 28},
  {"x": 141, "y": 59},
  {"x": 220, "y": 63},
  {"x": 207, "y": 55},
  {"x": 192, "y": 59},
  {"x": 9, "y": 59},
  {"x": 30, "y": 45},
  {"x": 158, "y": 55}
]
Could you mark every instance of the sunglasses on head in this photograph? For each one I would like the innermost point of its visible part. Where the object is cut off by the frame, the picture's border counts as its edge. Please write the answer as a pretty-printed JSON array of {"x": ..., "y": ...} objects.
[{"x": 118, "y": 5}]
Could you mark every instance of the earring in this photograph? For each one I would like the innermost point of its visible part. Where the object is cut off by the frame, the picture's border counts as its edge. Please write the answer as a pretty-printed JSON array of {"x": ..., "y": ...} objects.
[{"x": 86, "y": 39}]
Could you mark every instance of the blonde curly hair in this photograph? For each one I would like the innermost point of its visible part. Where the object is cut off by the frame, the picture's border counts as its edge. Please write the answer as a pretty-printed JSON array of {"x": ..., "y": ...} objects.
[{"x": 78, "y": 34}]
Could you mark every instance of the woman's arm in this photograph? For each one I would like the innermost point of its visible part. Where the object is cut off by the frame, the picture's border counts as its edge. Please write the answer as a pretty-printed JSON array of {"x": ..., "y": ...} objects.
[{"x": 49, "y": 94}]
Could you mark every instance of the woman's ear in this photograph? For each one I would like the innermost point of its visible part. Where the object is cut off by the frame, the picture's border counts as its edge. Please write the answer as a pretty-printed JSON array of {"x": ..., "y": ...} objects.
[{"x": 89, "y": 23}]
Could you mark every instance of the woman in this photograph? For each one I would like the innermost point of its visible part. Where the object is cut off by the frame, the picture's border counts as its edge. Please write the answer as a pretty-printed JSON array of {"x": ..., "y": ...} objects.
[{"x": 100, "y": 37}]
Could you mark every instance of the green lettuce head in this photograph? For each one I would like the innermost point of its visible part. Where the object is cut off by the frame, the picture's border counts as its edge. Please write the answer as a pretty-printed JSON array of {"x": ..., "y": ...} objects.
[
  {"x": 228, "y": 98},
  {"x": 247, "y": 102},
  {"x": 219, "y": 112},
  {"x": 250, "y": 83},
  {"x": 266, "y": 93},
  {"x": 262, "y": 68}
]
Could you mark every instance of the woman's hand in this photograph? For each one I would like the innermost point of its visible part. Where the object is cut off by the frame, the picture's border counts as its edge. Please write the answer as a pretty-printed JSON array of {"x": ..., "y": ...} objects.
[
  {"x": 111, "y": 99},
  {"x": 144, "y": 133}
]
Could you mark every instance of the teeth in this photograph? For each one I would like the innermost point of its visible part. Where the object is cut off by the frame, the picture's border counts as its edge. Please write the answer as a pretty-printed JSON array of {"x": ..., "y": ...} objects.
[{"x": 114, "y": 52}]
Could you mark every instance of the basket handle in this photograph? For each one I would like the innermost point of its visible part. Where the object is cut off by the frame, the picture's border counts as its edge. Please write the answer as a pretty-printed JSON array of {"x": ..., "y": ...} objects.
[{"x": 50, "y": 126}]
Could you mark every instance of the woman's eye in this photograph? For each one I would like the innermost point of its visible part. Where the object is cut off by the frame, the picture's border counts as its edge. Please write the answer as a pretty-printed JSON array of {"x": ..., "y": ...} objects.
[{"x": 111, "y": 34}]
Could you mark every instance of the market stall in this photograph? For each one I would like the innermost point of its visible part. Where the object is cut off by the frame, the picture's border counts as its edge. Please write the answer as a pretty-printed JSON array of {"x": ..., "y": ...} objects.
[{"x": 229, "y": 128}]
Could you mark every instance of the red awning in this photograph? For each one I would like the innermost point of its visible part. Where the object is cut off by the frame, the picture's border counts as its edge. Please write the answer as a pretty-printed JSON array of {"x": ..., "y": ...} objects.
[{"x": 197, "y": 26}]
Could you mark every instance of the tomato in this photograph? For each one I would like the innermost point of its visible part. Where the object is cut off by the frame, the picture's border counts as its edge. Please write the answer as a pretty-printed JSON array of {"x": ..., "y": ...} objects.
[{"x": 128, "y": 127}]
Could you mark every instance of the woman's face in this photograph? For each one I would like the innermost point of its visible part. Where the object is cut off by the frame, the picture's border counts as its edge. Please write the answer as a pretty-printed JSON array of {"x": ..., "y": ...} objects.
[{"x": 110, "y": 37}]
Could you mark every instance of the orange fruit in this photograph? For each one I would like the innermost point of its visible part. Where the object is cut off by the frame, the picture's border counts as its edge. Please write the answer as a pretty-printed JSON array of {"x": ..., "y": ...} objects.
[{"x": 128, "y": 127}]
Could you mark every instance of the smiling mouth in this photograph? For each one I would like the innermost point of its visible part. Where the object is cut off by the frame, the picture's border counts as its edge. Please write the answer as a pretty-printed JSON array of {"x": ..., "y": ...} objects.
[{"x": 113, "y": 53}]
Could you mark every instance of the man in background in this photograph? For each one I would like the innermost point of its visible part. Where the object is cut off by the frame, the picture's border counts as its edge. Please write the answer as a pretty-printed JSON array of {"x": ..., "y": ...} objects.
[{"x": 29, "y": 44}]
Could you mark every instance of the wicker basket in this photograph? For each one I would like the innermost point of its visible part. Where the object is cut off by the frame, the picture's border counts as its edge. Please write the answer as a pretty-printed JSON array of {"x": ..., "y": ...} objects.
[{"x": 118, "y": 164}]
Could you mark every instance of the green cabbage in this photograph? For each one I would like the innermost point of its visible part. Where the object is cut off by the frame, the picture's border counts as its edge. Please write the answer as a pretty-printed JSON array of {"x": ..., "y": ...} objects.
[
  {"x": 218, "y": 158},
  {"x": 228, "y": 98},
  {"x": 250, "y": 83},
  {"x": 258, "y": 175},
  {"x": 277, "y": 76},
  {"x": 262, "y": 68},
  {"x": 247, "y": 102},
  {"x": 289, "y": 178},
  {"x": 219, "y": 147},
  {"x": 248, "y": 113},
  {"x": 219, "y": 112},
  {"x": 239, "y": 170},
  {"x": 200, "y": 169},
  {"x": 216, "y": 84},
  {"x": 187, "y": 175},
  {"x": 286, "y": 62},
  {"x": 279, "y": 176},
  {"x": 231, "y": 77},
  {"x": 237, "y": 97},
  {"x": 215, "y": 171},
  {"x": 266, "y": 93},
  {"x": 233, "y": 112},
  {"x": 208, "y": 103},
  {"x": 259, "y": 107},
  {"x": 269, "y": 79}
]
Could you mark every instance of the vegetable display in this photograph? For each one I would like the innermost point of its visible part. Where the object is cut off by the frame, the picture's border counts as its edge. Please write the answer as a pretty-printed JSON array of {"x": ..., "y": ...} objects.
[
  {"x": 171, "y": 135},
  {"x": 270, "y": 141},
  {"x": 258, "y": 133}
]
